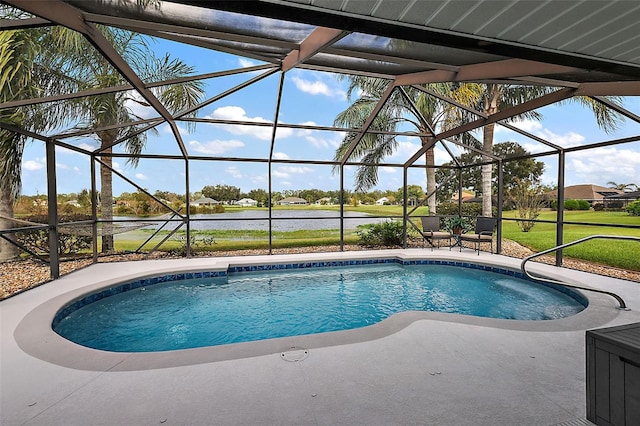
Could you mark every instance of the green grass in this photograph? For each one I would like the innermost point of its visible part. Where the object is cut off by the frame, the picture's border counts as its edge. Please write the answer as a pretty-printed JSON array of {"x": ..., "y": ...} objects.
[
  {"x": 235, "y": 239},
  {"x": 620, "y": 254}
]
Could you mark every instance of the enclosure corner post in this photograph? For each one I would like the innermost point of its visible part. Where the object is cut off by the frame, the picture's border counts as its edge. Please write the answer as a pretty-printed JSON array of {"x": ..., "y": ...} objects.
[
  {"x": 404, "y": 208},
  {"x": 52, "y": 210},
  {"x": 500, "y": 201},
  {"x": 94, "y": 209},
  {"x": 560, "y": 211}
]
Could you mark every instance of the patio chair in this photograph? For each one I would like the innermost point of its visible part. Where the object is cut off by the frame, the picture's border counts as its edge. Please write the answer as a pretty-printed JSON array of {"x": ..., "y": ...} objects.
[
  {"x": 431, "y": 231},
  {"x": 483, "y": 233}
]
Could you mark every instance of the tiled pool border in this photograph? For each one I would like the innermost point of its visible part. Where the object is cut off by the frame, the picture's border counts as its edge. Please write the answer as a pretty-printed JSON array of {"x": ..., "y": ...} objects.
[{"x": 148, "y": 281}]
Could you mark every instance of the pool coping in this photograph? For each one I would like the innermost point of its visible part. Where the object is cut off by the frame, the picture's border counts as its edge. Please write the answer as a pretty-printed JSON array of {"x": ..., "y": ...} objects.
[{"x": 35, "y": 336}]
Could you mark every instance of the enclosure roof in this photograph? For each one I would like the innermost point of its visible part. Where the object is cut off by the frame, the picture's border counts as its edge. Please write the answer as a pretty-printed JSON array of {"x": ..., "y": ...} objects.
[{"x": 593, "y": 46}]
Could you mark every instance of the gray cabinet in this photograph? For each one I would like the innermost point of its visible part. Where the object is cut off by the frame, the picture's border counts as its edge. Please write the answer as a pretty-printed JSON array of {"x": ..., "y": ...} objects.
[{"x": 613, "y": 375}]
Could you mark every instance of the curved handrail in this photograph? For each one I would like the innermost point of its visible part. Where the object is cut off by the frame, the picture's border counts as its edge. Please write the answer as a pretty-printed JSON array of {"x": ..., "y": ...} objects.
[{"x": 572, "y": 243}]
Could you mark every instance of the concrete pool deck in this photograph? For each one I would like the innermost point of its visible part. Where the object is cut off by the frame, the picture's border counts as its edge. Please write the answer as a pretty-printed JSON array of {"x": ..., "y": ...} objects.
[{"x": 423, "y": 368}]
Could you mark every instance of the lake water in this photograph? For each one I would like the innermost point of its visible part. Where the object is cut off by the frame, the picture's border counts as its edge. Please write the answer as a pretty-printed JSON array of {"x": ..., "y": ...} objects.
[{"x": 283, "y": 220}]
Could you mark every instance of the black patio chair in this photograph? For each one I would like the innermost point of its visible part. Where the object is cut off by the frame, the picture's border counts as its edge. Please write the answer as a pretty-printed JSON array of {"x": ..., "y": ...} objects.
[
  {"x": 431, "y": 231},
  {"x": 483, "y": 233}
]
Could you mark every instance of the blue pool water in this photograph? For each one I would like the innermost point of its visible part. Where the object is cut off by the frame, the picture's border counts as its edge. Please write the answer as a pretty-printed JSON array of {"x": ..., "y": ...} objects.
[{"x": 252, "y": 306}]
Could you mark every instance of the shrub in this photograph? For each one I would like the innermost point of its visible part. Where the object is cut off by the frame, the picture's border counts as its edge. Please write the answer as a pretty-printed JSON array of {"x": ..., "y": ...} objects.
[
  {"x": 383, "y": 234},
  {"x": 554, "y": 204},
  {"x": 468, "y": 209},
  {"x": 634, "y": 208},
  {"x": 571, "y": 205},
  {"x": 583, "y": 205},
  {"x": 598, "y": 207},
  {"x": 68, "y": 242}
]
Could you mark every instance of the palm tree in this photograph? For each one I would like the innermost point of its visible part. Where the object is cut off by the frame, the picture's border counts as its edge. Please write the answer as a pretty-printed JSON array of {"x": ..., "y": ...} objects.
[
  {"x": 497, "y": 97},
  {"x": 374, "y": 147},
  {"x": 75, "y": 66},
  {"x": 87, "y": 69},
  {"x": 623, "y": 186},
  {"x": 22, "y": 77}
]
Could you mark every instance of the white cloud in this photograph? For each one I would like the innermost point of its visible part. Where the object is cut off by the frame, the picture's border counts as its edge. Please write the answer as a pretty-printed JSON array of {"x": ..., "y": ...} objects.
[
  {"x": 536, "y": 128},
  {"x": 318, "y": 87},
  {"x": 116, "y": 166},
  {"x": 76, "y": 169},
  {"x": 138, "y": 109},
  {"x": 236, "y": 113},
  {"x": 245, "y": 63},
  {"x": 141, "y": 176},
  {"x": 280, "y": 156},
  {"x": 234, "y": 172},
  {"x": 287, "y": 171},
  {"x": 601, "y": 165},
  {"x": 216, "y": 147},
  {"x": 32, "y": 165},
  {"x": 318, "y": 142},
  {"x": 62, "y": 166}
]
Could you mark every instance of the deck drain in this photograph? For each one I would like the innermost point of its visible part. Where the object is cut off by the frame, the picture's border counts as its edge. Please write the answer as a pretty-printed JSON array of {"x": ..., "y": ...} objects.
[{"x": 294, "y": 355}]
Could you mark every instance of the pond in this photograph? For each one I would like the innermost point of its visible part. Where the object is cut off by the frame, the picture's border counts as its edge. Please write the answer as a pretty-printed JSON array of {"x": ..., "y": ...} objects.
[{"x": 283, "y": 220}]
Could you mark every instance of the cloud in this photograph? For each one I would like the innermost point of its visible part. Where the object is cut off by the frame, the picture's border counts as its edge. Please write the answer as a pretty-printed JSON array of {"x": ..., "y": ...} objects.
[
  {"x": 280, "y": 156},
  {"x": 245, "y": 63},
  {"x": 236, "y": 113},
  {"x": 318, "y": 87},
  {"x": 62, "y": 166},
  {"x": 311, "y": 136},
  {"x": 536, "y": 128},
  {"x": 141, "y": 176},
  {"x": 138, "y": 109},
  {"x": 602, "y": 165},
  {"x": 32, "y": 165},
  {"x": 234, "y": 172},
  {"x": 215, "y": 147},
  {"x": 288, "y": 171}
]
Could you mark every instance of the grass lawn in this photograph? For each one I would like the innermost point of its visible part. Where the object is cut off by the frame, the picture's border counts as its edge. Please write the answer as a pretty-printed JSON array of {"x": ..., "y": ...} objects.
[{"x": 620, "y": 254}]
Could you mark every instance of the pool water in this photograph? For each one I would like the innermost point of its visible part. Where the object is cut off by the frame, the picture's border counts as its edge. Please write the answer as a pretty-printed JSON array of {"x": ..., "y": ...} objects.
[{"x": 255, "y": 306}]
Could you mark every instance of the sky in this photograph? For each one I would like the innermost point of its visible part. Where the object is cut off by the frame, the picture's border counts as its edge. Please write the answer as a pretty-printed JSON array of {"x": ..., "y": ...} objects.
[{"x": 313, "y": 98}]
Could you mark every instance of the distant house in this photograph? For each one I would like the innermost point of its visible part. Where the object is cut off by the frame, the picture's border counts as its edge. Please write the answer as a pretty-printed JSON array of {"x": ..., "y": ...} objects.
[
  {"x": 293, "y": 201},
  {"x": 324, "y": 201},
  {"x": 205, "y": 201},
  {"x": 467, "y": 196},
  {"x": 247, "y": 202},
  {"x": 591, "y": 193},
  {"x": 621, "y": 200},
  {"x": 382, "y": 201}
]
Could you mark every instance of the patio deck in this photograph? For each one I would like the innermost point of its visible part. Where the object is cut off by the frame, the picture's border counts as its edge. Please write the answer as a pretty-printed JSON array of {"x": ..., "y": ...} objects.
[{"x": 429, "y": 368}]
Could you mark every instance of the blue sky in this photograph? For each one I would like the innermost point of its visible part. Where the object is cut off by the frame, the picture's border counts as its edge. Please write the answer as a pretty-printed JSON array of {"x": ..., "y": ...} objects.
[{"x": 313, "y": 98}]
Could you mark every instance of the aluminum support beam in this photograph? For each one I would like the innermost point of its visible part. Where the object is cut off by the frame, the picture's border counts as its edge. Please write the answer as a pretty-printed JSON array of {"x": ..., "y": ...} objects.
[
  {"x": 52, "y": 210},
  {"x": 315, "y": 42}
]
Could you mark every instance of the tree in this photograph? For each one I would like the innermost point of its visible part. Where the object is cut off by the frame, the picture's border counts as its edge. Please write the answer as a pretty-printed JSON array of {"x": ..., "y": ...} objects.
[
  {"x": 87, "y": 69},
  {"x": 626, "y": 187},
  {"x": 497, "y": 97},
  {"x": 513, "y": 172},
  {"x": 528, "y": 198},
  {"x": 22, "y": 76},
  {"x": 374, "y": 147},
  {"x": 260, "y": 195},
  {"x": 224, "y": 193}
]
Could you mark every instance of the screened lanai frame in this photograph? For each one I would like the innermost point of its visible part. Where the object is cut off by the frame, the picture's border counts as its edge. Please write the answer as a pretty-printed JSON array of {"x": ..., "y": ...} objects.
[{"x": 321, "y": 36}]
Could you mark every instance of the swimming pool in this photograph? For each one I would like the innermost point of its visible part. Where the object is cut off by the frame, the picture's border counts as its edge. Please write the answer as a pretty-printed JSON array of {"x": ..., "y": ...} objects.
[{"x": 262, "y": 302}]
